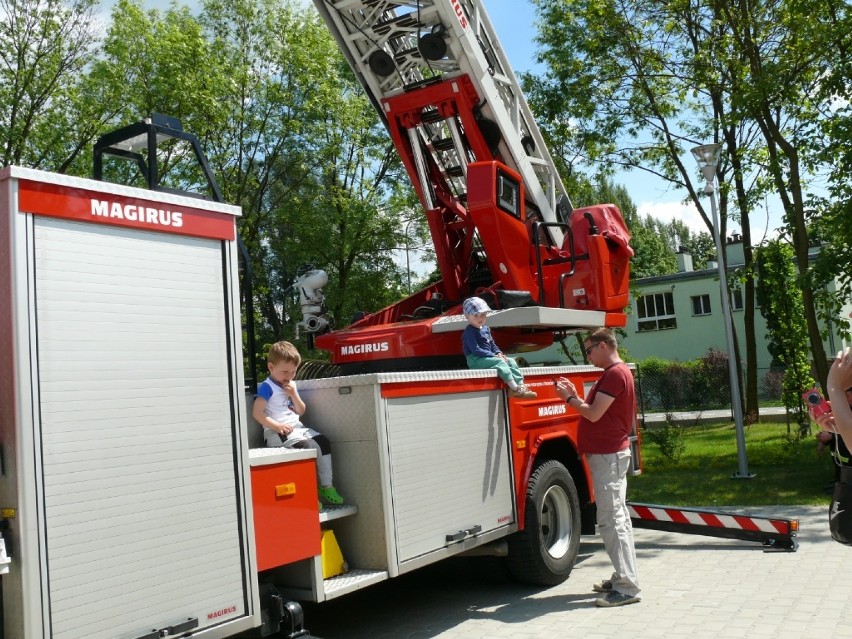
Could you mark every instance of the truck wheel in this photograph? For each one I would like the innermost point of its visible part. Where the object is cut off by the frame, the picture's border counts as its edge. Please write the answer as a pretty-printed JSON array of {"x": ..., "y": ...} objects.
[{"x": 544, "y": 552}]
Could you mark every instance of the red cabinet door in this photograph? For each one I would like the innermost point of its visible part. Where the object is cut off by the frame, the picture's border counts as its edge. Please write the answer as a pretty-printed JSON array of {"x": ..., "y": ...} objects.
[{"x": 286, "y": 512}]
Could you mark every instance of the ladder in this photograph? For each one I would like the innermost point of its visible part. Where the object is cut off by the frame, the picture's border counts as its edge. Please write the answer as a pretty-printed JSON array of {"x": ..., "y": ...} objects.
[{"x": 401, "y": 51}]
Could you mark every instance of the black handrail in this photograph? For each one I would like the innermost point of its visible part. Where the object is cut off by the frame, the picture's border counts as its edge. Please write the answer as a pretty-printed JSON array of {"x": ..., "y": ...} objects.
[{"x": 537, "y": 240}]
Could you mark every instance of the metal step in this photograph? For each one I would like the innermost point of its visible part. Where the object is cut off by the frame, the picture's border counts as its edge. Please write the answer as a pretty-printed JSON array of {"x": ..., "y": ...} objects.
[
  {"x": 404, "y": 21},
  {"x": 352, "y": 581},
  {"x": 400, "y": 56},
  {"x": 329, "y": 513}
]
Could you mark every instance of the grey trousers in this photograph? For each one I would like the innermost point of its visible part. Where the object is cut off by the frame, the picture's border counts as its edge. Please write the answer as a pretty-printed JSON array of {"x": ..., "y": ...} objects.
[{"x": 609, "y": 478}]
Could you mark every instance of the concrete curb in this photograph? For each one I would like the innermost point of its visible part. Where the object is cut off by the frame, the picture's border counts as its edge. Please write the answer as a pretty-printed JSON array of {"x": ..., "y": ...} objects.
[{"x": 774, "y": 414}]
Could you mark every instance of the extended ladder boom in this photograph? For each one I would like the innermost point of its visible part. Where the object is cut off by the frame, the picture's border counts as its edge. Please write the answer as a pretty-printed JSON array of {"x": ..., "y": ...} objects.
[
  {"x": 501, "y": 222},
  {"x": 397, "y": 47}
]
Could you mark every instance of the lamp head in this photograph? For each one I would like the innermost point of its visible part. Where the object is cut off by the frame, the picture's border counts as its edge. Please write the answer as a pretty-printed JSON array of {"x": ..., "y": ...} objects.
[{"x": 707, "y": 156}]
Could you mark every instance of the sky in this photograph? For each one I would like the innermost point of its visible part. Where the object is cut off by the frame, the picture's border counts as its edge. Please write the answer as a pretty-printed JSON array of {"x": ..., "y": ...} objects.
[{"x": 514, "y": 24}]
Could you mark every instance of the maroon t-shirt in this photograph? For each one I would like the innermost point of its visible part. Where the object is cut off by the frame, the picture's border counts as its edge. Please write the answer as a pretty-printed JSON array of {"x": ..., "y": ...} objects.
[{"x": 610, "y": 433}]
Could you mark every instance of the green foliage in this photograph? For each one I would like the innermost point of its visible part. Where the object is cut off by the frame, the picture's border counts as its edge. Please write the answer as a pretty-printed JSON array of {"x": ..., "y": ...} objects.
[
  {"x": 787, "y": 469},
  {"x": 832, "y": 269},
  {"x": 45, "y": 47},
  {"x": 785, "y": 321},
  {"x": 696, "y": 384},
  {"x": 158, "y": 62},
  {"x": 669, "y": 439}
]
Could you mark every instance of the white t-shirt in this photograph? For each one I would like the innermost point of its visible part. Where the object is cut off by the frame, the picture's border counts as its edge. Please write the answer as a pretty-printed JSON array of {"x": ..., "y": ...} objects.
[{"x": 278, "y": 405}]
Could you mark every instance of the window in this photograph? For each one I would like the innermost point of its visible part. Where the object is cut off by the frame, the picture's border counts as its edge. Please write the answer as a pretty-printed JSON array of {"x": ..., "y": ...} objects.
[
  {"x": 701, "y": 305},
  {"x": 737, "y": 299},
  {"x": 655, "y": 312},
  {"x": 508, "y": 194}
]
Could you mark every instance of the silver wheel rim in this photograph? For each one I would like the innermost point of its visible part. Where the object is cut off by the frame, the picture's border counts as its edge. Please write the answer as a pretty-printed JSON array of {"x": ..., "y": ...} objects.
[{"x": 555, "y": 520}]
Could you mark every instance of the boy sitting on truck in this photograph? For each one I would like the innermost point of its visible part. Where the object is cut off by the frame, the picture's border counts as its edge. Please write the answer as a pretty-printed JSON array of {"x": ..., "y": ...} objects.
[
  {"x": 482, "y": 351},
  {"x": 277, "y": 407}
]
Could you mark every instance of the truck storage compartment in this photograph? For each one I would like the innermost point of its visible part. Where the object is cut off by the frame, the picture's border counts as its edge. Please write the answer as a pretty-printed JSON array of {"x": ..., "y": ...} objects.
[
  {"x": 284, "y": 500},
  {"x": 124, "y": 434},
  {"x": 425, "y": 459},
  {"x": 449, "y": 470}
]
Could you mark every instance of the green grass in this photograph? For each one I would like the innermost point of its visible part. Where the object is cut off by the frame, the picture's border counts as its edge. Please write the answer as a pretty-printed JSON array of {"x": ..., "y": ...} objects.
[{"x": 787, "y": 470}]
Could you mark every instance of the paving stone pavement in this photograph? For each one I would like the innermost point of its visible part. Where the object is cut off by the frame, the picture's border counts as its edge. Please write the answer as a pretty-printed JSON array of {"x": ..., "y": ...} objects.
[{"x": 693, "y": 586}]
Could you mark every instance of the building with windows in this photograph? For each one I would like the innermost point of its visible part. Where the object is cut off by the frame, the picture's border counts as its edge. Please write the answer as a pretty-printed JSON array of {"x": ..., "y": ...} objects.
[{"x": 679, "y": 316}]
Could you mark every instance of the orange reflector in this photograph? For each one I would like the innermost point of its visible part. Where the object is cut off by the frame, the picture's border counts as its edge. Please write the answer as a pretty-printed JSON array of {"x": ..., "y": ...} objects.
[
  {"x": 794, "y": 525},
  {"x": 521, "y": 444},
  {"x": 285, "y": 489}
]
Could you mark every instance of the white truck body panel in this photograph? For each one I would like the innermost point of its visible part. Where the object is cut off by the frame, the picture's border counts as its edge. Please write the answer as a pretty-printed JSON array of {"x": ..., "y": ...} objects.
[
  {"x": 418, "y": 467},
  {"x": 123, "y": 434},
  {"x": 449, "y": 468}
]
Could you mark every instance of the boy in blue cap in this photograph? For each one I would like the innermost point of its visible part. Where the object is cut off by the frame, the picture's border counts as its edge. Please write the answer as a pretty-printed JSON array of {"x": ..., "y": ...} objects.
[{"x": 482, "y": 352}]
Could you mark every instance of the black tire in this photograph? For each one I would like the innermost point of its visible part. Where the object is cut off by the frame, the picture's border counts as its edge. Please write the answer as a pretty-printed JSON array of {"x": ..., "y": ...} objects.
[{"x": 544, "y": 552}]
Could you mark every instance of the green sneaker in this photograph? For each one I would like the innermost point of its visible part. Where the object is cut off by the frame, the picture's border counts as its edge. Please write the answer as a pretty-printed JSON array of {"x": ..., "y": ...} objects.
[{"x": 329, "y": 495}]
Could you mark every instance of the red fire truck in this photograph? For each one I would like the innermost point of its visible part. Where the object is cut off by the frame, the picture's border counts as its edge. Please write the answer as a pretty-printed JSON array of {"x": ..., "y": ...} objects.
[{"x": 137, "y": 499}]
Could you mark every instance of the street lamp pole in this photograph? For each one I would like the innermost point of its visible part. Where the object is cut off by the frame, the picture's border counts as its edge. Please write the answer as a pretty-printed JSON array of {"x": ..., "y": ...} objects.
[{"x": 707, "y": 157}]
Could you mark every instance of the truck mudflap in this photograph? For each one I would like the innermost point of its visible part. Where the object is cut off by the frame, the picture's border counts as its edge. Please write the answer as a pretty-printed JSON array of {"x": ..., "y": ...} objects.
[{"x": 281, "y": 617}]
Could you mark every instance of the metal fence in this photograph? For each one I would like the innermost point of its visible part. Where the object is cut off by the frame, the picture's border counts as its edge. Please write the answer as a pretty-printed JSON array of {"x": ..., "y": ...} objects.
[{"x": 691, "y": 387}]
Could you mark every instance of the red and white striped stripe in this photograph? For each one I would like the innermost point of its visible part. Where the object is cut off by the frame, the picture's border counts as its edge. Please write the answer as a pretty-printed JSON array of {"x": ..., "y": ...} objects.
[{"x": 710, "y": 519}]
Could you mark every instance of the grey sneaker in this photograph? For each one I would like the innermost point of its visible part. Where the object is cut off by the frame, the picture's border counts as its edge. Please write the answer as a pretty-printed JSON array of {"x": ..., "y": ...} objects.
[
  {"x": 603, "y": 586},
  {"x": 524, "y": 393},
  {"x": 615, "y": 598}
]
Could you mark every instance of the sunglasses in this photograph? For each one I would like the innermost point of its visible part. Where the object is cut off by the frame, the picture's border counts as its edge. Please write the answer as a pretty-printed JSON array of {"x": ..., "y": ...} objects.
[{"x": 590, "y": 349}]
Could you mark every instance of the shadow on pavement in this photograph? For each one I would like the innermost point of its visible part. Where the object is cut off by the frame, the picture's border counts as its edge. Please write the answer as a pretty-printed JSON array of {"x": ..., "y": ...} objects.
[{"x": 435, "y": 599}]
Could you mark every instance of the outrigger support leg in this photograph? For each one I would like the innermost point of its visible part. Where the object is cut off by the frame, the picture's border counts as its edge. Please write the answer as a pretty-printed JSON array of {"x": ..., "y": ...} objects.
[{"x": 775, "y": 534}]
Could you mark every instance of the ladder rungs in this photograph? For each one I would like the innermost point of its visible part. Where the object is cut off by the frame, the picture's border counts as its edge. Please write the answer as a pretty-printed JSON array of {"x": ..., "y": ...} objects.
[
  {"x": 430, "y": 115},
  {"x": 400, "y": 56},
  {"x": 404, "y": 21},
  {"x": 443, "y": 144}
]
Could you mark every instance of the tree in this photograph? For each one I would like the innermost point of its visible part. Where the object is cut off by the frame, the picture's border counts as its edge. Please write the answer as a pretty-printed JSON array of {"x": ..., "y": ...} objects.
[
  {"x": 788, "y": 344},
  {"x": 45, "y": 46},
  {"x": 783, "y": 49},
  {"x": 831, "y": 145},
  {"x": 156, "y": 62},
  {"x": 301, "y": 149},
  {"x": 644, "y": 81}
]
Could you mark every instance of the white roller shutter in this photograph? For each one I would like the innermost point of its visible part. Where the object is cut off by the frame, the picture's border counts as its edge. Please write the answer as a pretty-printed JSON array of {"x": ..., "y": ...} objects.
[
  {"x": 450, "y": 469},
  {"x": 142, "y": 513}
]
